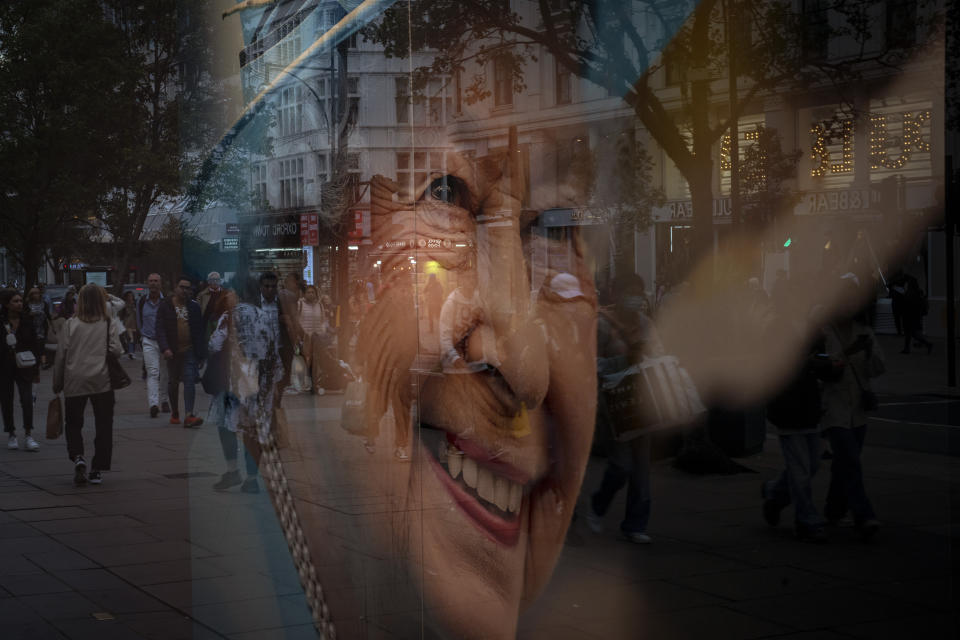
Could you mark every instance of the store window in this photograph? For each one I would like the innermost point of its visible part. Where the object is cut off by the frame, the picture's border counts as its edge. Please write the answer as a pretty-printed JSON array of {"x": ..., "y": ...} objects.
[
  {"x": 564, "y": 81},
  {"x": 502, "y": 82},
  {"x": 258, "y": 183}
]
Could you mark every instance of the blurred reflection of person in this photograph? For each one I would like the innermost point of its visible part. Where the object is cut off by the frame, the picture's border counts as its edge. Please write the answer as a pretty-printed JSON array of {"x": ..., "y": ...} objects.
[
  {"x": 459, "y": 316},
  {"x": 277, "y": 312},
  {"x": 433, "y": 300},
  {"x": 313, "y": 322},
  {"x": 914, "y": 308},
  {"x": 625, "y": 335},
  {"x": 850, "y": 342}
]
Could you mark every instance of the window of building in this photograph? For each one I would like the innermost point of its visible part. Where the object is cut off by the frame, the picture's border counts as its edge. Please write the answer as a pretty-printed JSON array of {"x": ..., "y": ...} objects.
[
  {"x": 502, "y": 82},
  {"x": 402, "y": 100},
  {"x": 290, "y": 114},
  {"x": 816, "y": 30},
  {"x": 430, "y": 107},
  {"x": 258, "y": 183},
  {"x": 564, "y": 81},
  {"x": 288, "y": 41},
  {"x": 901, "y": 24},
  {"x": 353, "y": 162},
  {"x": 413, "y": 175},
  {"x": 291, "y": 183},
  {"x": 458, "y": 91}
]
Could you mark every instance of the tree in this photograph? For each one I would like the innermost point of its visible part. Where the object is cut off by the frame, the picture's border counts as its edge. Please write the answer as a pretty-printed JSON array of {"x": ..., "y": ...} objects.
[
  {"x": 63, "y": 88},
  {"x": 621, "y": 46}
]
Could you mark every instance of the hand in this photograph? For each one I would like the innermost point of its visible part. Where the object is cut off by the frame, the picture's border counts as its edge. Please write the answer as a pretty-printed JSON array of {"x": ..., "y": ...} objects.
[{"x": 168, "y": 354}]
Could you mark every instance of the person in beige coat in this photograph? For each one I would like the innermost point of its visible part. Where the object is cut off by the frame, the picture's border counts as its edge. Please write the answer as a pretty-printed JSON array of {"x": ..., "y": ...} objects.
[{"x": 81, "y": 373}]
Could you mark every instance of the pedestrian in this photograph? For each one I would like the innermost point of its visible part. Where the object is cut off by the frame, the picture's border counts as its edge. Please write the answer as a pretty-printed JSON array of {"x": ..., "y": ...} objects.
[
  {"x": 433, "y": 300},
  {"x": 40, "y": 315},
  {"x": 180, "y": 337},
  {"x": 914, "y": 308},
  {"x": 794, "y": 415},
  {"x": 225, "y": 407},
  {"x": 147, "y": 307},
  {"x": 19, "y": 354},
  {"x": 313, "y": 322},
  {"x": 846, "y": 400},
  {"x": 208, "y": 300},
  {"x": 277, "y": 314},
  {"x": 69, "y": 305},
  {"x": 128, "y": 316},
  {"x": 625, "y": 335},
  {"x": 81, "y": 374}
]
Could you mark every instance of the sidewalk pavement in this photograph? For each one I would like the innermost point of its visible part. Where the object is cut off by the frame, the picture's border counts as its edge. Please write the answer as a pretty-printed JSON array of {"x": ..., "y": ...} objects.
[{"x": 153, "y": 552}]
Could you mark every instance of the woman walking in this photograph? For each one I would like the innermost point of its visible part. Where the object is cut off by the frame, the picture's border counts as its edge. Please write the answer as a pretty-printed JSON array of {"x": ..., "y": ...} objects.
[
  {"x": 128, "y": 316},
  {"x": 19, "y": 355},
  {"x": 313, "y": 321},
  {"x": 81, "y": 373}
]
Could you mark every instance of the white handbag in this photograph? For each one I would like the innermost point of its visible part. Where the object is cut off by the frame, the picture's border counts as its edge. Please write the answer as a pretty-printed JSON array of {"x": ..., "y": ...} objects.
[{"x": 25, "y": 359}]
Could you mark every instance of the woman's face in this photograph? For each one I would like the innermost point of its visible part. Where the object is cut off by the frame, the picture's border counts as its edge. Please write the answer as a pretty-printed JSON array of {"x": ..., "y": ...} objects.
[
  {"x": 311, "y": 295},
  {"x": 499, "y": 442},
  {"x": 16, "y": 304}
]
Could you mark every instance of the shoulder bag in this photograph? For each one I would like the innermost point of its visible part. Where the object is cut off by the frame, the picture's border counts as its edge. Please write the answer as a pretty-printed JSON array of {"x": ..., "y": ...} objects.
[
  {"x": 118, "y": 377},
  {"x": 24, "y": 359}
]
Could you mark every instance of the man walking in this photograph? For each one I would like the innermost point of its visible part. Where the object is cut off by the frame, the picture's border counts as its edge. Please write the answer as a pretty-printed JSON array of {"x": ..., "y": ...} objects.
[
  {"x": 180, "y": 336},
  {"x": 147, "y": 308},
  {"x": 277, "y": 313},
  {"x": 208, "y": 297}
]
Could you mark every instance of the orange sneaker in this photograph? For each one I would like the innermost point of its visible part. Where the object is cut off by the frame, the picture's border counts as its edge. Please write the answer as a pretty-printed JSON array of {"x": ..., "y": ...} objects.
[
  {"x": 192, "y": 421},
  {"x": 174, "y": 419}
]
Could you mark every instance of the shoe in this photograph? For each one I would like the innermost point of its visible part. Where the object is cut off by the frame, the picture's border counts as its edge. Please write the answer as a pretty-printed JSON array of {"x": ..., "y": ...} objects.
[
  {"x": 165, "y": 407},
  {"x": 368, "y": 445},
  {"x": 80, "y": 472},
  {"x": 12, "y": 442},
  {"x": 637, "y": 537},
  {"x": 192, "y": 421},
  {"x": 868, "y": 528},
  {"x": 401, "y": 454},
  {"x": 174, "y": 419},
  {"x": 319, "y": 391},
  {"x": 594, "y": 521},
  {"x": 814, "y": 536},
  {"x": 130, "y": 356},
  {"x": 154, "y": 411},
  {"x": 30, "y": 444},
  {"x": 94, "y": 477},
  {"x": 227, "y": 480},
  {"x": 250, "y": 485}
]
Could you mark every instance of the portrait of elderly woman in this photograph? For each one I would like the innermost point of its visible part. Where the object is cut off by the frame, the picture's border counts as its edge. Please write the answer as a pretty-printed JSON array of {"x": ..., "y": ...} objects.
[{"x": 538, "y": 314}]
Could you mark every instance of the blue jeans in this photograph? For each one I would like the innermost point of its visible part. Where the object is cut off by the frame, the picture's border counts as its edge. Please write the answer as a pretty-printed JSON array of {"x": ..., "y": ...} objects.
[
  {"x": 846, "y": 476},
  {"x": 801, "y": 455},
  {"x": 628, "y": 463},
  {"x": 182, "y": 367}
]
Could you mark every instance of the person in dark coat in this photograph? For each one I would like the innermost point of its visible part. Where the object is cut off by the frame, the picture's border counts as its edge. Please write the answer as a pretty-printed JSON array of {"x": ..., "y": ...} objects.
[
  {"x": 180, "y": 336},
  {"x": 269, "y": 301},
  {"x": 914, "y": 308},
  {"x": 19, "y": 335}
]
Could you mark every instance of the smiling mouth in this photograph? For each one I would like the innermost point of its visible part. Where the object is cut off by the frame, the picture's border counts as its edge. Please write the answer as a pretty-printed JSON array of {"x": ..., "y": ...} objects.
[{"x": 487, "y": 491}]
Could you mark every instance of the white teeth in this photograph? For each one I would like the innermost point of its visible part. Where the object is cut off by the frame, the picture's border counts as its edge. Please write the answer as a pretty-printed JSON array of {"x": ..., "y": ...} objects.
[
  {"x": 516, "y": 496},
  {"x": 470, "y": 472},
  {"x": 454, "y": 461},
  {"x": 501, "y": 492},
  {"x": 485, "y": 485}
]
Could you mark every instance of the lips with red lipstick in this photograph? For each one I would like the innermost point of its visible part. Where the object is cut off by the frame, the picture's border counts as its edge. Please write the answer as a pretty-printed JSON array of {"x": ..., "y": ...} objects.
[{"x": 489, "y": 491}]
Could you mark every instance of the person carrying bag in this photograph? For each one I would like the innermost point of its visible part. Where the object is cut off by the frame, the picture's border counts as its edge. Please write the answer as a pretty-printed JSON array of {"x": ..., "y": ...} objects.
[{"x": 88, "y": 341}]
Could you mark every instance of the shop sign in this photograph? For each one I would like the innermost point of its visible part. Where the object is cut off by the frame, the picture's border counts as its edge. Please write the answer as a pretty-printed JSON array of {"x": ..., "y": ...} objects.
[
  {"x": 309, "y": 229},
  {"x": 835, "y": 201},
  {"x": 361, "y": 225},
  {"x": 578, "y": 217},
  {"x": 683, "y": 210},
  {"x": 232, "y": 229},
  {"x": 229, "y": 244},
  {"x": 274, "y": 231}
]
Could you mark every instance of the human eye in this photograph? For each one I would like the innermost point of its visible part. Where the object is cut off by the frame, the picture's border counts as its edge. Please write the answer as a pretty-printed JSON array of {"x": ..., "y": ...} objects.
[{"x": 449, "y": 189}]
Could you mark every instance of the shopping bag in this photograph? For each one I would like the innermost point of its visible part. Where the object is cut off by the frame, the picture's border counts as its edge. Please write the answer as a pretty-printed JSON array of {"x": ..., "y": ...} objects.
[
  {"x": 54, "y": 418},
  {"x": 353, "y": 413}
]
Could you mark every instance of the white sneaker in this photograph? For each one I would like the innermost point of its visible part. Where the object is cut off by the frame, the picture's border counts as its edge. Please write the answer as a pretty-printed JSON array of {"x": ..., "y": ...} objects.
[
  {"x": 401, "y": 454},
  {"x": 594, "y": 521},
  {"x": 31, "y": 444},
  {"x": 12, "y": 443},
  {"x": 638, "y": 537}
]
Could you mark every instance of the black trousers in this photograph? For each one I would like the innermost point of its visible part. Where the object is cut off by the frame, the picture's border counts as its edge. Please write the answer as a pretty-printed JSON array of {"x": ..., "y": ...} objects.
[
  {"x": 103, "y": 420},
  {"x": 24, "y": 385}
]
